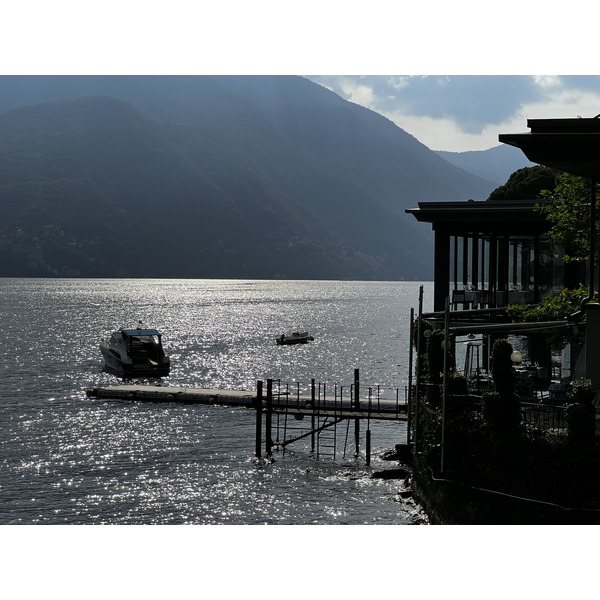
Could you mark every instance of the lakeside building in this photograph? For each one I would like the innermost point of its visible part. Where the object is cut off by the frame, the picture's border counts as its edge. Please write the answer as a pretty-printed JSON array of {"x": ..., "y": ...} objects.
[
  {"x": 489, "y": 256},
  {"x": 493, "y": 253}
]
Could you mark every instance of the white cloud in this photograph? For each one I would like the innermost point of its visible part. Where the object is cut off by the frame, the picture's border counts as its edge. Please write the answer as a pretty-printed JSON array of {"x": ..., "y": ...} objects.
[
  {"x": 358, "y": 93},
  {"x": 546, "y": 81},
  {"x": 566, "y": 104},
  {"x": 399, "y": 82},
  {"x": 447, "y": 134}
]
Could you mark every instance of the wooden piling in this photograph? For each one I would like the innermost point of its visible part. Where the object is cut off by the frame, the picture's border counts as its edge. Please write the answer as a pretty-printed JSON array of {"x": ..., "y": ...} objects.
[
  {"x": 268, "y": 415},
  {"x": 357, "y": 406},
  {"x": 368, "y": 446},
  {"x": 312, "y": 418},
  {"x": 259, "y": 389}
]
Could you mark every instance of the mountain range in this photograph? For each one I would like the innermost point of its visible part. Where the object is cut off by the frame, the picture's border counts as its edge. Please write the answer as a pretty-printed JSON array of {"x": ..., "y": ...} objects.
[
  {"x": 495, "y": 164},
  {"x": 213, "y": 177}
]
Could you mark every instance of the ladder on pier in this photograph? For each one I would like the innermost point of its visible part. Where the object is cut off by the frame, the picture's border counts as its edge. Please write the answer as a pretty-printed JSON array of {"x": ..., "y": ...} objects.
[
  {"x": 327, "y": 426},
  {"x": 321, "y": 426},
  {"x": 327, "y": 438}
]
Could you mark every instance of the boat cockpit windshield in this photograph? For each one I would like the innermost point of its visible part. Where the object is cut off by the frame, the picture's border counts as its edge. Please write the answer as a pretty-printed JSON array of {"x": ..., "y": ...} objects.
[
  {"x": 143, "y": 343},
  {"x": 116, "y": 337},
  {"x": 148, "y": 336},
  {"x": 146, "y": 339}
]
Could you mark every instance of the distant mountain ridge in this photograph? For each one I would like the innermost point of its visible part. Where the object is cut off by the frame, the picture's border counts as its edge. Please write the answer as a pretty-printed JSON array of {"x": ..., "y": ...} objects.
[
  {"x": 495, "y": 164},
  {"x": 246, "y": 177}
]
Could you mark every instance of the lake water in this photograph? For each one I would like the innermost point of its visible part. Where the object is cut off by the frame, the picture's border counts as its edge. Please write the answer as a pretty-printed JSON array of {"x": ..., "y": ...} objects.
[{"x": 70, "y": 459}]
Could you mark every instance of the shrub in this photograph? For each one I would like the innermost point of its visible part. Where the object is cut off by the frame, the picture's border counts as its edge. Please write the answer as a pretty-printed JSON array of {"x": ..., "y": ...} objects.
[
  {"x": 581, "y": 391},
  {"x": 501, "y": 366},
  {"x": 457, "y": 383},
  {"x": 501, "y": 412},
  {"x": 435, "y": 356},
  {"x": 581, "y": 414}
]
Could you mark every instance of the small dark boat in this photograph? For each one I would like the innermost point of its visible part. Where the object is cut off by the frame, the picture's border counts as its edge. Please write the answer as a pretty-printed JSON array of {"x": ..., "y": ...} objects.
[
  {"x": 135, "y": 353},
  {"x": 294, "y": 338}
]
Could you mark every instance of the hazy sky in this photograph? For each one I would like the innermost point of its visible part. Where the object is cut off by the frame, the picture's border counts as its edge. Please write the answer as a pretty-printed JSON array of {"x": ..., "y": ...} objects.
[{"x": 467, "y": 112}]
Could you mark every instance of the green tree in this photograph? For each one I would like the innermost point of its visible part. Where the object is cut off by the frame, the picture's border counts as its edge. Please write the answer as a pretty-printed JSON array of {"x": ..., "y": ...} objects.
[
  {"x": 567, "y": 207},
  {"x": 526, "y": 184},
  {"x": 551, "y": 308},
  {"x": 555, "y": 308}
]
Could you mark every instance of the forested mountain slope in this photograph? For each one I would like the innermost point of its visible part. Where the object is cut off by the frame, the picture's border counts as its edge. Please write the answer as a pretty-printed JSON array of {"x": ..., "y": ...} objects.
[{"x": 198, "y": 176}]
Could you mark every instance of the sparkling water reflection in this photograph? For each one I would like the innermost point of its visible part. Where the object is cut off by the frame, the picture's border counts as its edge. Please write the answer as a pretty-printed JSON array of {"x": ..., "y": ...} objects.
[{"x": 70, "y": 459}]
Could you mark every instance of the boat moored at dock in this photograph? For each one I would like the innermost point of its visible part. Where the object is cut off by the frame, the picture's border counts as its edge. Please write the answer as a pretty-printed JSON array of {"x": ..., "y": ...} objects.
[{"x": 135, "y": 353}]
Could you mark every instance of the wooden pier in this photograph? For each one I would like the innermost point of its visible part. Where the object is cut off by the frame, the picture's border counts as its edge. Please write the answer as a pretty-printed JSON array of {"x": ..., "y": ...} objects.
[
  {"x": 312, "y": 414},
  {"x": 281, "y": 402},
  {"x": 158, "y": 393}
]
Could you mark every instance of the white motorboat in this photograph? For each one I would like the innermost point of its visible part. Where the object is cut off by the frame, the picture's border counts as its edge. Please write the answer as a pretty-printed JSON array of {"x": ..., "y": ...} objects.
[
  {"x": 135, "y": 353},
  {"x": 296, "y": 337}
]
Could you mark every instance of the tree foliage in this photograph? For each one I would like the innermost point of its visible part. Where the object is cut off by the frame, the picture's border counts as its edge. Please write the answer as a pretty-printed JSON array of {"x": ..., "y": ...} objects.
[
  {"x": 526, "y": 184},
  {"x": 551, "y": 308},
  {"x": 555, "y": 308},
  {"x": 567, "y": 207}
]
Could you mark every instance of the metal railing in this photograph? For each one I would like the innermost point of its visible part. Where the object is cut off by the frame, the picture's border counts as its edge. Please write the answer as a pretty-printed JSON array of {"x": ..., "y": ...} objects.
[
  {"x": 543, "y": 416},
  {"x": 293, "y": 413},
  {"x": 536, "y": 415},
  {"x": 373, "y": 400}
]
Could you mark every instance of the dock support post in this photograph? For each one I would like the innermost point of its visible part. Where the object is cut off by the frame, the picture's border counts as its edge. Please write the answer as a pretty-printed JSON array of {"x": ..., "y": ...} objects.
[
  {"x": 259, "y": 390},
  {"x": 357, "y": 406},
  {"x": 312, "y": 418},
  {"x": 269, "y": 413},
  {"x": 368, "y": 446}
]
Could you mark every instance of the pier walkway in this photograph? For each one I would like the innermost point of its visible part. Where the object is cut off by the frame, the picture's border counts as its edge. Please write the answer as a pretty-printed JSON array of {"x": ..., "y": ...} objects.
[
  {"x": 311, "y": 414},
  {"x": 282, "y": 402},
  {"x": 158, "y": 393}
]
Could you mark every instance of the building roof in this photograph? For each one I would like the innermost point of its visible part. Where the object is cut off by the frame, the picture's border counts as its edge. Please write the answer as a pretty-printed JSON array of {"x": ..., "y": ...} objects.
[
  {"x": 571, "y": 145},
  {"x": 506, "y": 216}
]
